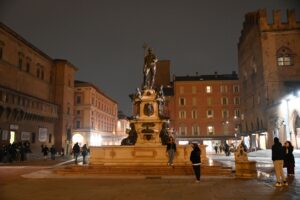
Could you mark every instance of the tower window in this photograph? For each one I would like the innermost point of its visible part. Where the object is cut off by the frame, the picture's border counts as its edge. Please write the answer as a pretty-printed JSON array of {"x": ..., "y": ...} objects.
[{"x": 284, "y": 57}]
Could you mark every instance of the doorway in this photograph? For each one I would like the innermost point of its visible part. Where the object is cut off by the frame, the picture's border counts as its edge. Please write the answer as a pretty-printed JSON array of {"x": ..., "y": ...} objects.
[{"x": 12, "y": 136}]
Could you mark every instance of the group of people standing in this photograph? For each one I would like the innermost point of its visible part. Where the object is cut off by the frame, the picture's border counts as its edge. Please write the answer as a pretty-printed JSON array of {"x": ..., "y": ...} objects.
[
  {"x": 16, "y": 151},
  {"x": 283, "y": 157}
]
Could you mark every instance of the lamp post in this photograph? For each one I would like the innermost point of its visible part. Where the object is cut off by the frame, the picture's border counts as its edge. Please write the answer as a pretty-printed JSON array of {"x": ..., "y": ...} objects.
[
  {"x": 287, "y": 130},
  {"x": 235, "y": 136}
]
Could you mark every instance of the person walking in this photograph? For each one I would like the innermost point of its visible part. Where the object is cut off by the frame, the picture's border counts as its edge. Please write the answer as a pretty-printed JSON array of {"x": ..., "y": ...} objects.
[
  {"x": 221, "y": 148},
  {"x": 195, "y": 158},
  {"x": 278, "y": 157},
  {"x": 76, "y": 151},
  {"x": 84, "y": 152},
  {"x": 216, "y": 148},
  {"x": 289, "y": 159},
  {"x": 45, "y": 151},
  {"x": 171, "y": 149},
  {"x": 52, "y": 152},
  {"x": 226, "y": 149}
]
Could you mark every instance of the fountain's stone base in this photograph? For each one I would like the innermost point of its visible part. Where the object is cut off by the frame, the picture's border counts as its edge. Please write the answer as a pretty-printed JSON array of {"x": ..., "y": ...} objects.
[
  {"x": 145, "y": 155},
  {"x": 245, "y": 169}
]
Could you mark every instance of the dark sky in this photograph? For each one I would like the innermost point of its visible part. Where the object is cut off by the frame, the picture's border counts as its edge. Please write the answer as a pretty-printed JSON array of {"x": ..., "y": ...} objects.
[{"x": 104, "y": 38}]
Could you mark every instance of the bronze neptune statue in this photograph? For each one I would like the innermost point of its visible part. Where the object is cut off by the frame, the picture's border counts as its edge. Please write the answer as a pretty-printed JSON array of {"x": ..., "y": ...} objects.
[{"x": 150, "y": 61}]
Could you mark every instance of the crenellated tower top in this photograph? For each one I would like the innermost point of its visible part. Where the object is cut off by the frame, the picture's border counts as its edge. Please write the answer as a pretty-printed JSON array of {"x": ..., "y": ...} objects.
[{"x": 259, "y": 19}]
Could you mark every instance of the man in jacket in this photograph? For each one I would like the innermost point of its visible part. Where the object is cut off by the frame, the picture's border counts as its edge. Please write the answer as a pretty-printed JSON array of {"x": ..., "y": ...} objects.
[
  {"x": 278, "y": 157},
  {"x": 195, "y": 158}
]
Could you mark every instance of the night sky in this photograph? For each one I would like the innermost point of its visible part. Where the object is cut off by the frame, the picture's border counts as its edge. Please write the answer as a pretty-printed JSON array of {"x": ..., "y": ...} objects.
[{"x": 104, "y": 38}]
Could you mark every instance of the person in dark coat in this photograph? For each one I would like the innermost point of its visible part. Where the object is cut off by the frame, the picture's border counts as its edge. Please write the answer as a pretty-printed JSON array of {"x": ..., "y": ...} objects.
[
  {"x": 289, "y": 159},
  {"x": 53, "y": 152},
  {"x": 171, "y": 149},
  {"x": 84, "y": 152},
  {"x": 76, "y": 151},
  {"x": 195, "y": 158},
  {"x": 45, "y": 151},
  {"x": 278, "y": 157}
]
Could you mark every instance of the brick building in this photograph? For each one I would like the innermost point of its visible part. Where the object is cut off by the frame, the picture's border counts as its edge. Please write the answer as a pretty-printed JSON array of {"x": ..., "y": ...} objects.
[
  {"x": 269, "y": 71},
  {"x": 36, "y": 94},
  {"x": 96, "y": 116},
  {"x": 205, "y": 108},
  {"x": 162, "y": 76}
]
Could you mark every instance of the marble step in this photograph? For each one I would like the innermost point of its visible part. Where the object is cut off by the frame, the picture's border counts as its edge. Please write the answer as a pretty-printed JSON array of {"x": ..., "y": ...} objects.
[{"x": 142, "y": 170}]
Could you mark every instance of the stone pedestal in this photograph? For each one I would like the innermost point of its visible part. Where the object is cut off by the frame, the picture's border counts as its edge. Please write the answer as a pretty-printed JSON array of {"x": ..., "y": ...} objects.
[
  {"x": 148, "y": 122},
  {"x": 245, "y": 169}
]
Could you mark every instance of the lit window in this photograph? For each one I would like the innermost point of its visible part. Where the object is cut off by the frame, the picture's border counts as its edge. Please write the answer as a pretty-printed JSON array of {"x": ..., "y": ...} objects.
[
  {"x": 284, "y": 57},
  {"x": 210, "y": 130},
  {"x": 208, "y": 89}
]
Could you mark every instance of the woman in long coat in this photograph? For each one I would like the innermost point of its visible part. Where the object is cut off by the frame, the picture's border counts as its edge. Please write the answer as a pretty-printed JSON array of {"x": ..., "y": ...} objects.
[{"x": 289, "y": 159}]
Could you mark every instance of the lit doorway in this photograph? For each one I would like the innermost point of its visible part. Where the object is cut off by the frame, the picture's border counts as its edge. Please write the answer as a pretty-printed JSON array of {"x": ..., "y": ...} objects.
[{"x": 12, "y": 137}]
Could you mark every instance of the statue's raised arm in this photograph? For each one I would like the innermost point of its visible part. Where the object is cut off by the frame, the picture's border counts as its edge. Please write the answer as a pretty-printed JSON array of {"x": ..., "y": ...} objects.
[{"x": 150, "y": 61}]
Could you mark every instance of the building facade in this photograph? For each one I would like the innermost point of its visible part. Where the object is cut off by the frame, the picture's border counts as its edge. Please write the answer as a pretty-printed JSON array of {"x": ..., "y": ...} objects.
[
  {"x": 96, "y": 116},
  {"x": 269, "y": 71},
  {"x": 36, "y": 94},
  {"x": 205, "y": 108},
  {"x": 162, "y": 76}
]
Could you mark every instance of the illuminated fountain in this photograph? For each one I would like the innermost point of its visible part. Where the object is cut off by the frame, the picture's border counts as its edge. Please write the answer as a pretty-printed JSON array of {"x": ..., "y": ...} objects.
[{"x": 145, "y": 144}]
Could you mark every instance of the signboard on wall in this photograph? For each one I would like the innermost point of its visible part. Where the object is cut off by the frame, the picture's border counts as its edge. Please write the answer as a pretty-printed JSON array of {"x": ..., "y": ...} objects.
[
  {"x": 43, "y": 132},
  {"x": 14, "y": 126},
  {"x": 25, "y": 136},
  {"x": 4, "y": 134}
]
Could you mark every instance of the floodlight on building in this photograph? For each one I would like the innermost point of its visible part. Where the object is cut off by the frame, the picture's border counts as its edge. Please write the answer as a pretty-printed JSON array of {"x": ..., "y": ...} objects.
[
  {"x": 95, "y": 139},
  {"x": 77, "y": 138}
]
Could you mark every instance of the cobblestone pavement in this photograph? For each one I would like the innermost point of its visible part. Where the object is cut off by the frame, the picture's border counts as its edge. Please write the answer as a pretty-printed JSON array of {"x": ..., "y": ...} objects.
[
  {"x": 266, "y": 170},
  {"x": 210, "y": 188},
  {"x": 35, "y": 180}
]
